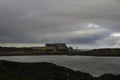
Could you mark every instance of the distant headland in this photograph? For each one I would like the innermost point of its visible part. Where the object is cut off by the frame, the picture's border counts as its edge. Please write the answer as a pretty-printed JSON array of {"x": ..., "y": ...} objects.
[{"x": 57, "y": 49}]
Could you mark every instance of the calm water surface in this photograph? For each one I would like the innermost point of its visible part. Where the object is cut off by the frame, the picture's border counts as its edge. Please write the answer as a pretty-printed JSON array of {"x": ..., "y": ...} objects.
[{"x": 93, "y": 65}]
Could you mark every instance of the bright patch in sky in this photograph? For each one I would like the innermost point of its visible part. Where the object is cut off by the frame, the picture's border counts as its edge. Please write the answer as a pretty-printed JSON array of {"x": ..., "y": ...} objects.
[
  {"x": 116, "y": 35},
  {"x": 93, "y": 26}
]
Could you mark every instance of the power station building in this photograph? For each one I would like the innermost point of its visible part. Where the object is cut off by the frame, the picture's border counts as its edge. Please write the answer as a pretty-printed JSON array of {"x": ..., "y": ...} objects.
[{"x": 54, "y": 47}]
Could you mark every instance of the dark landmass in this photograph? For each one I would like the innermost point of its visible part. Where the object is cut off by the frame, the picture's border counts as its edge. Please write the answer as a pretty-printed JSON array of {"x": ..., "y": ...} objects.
[
  {"x": 12, "y": 51},
  {"x": 45, "y": 71}
]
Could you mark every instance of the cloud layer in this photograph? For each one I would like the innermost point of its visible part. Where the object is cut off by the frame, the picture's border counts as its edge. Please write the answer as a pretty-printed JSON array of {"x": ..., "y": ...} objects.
[{"x": 88, "y": 23}]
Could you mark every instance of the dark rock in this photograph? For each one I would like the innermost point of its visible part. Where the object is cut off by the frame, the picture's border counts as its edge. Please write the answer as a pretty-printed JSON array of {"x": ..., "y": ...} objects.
[
  {"x": 44, "y": 71},
  {"x": 39, "y": 71},
  {"x": 109, "y": 77}
]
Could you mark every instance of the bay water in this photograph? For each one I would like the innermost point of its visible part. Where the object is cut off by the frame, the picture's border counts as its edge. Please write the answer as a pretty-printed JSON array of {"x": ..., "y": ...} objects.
[{"x": 96, "y": 66}]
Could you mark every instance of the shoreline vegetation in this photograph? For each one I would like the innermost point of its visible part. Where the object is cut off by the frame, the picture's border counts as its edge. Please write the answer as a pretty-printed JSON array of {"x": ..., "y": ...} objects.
[
  {"x": 13, "y": 51},
  {"x": 10, "y": 70}
]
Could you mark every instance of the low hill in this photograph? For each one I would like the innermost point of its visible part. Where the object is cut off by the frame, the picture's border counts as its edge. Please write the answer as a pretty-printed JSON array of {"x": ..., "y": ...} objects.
[{"x": 12, "y": 51}]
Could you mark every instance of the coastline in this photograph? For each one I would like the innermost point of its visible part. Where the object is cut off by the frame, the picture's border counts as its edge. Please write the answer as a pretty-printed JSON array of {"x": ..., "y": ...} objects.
[{"x": 12, "y": 51}]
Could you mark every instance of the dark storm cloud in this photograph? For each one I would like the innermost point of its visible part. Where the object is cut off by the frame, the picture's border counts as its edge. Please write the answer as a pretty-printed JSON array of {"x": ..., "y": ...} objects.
[
  {"x": 89, "y": 39},
  {"x": 41, "y": 21}
]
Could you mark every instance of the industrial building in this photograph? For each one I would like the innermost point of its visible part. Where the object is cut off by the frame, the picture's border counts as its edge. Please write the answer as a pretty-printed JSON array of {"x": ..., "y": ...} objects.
[{"x": 54, "y": 47}]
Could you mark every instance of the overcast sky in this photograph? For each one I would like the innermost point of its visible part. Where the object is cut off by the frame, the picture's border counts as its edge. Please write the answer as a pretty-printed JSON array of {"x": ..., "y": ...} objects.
[{"x": 87, "y": 23}]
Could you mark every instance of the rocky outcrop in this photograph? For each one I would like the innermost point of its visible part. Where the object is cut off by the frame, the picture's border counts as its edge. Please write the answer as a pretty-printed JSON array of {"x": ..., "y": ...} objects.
[
  {"x": 39, "y": 71},
  {"x": 44, "y": 71},
  {"x": 109, "y": 77}
]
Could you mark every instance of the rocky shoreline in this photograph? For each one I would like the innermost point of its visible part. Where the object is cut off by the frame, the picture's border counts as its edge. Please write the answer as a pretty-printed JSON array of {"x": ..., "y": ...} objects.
[{"x": 45, "y": 71}]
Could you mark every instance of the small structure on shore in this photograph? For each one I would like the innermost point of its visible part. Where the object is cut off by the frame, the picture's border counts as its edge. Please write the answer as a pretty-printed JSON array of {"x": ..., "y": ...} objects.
[{"x": 54, "y": 47}]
